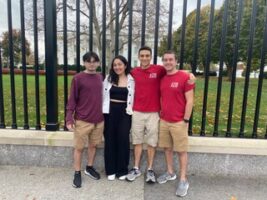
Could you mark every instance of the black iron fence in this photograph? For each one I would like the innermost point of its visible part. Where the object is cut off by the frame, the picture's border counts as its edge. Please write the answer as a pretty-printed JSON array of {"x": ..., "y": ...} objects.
[{"x": 129, "y": 33}]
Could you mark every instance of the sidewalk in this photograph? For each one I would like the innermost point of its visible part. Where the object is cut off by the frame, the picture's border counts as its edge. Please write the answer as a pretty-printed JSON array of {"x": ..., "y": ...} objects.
[{"x": 37, "y": 183}]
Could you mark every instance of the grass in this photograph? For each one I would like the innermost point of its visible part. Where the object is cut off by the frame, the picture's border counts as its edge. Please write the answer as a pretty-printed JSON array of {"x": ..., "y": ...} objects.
[{"x": 210, "y": 112}]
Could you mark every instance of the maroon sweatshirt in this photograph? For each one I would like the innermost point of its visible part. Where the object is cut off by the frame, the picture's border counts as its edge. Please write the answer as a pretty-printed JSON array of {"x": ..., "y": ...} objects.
[{"x": 85, "y": 100}]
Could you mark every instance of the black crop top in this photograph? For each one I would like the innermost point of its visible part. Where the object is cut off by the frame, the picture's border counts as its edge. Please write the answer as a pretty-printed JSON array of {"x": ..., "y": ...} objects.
[{"x": 118, "y": 93}]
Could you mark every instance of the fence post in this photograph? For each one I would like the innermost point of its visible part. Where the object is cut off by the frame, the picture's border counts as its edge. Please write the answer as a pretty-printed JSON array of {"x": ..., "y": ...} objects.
[{"x": 51, "y": 65}]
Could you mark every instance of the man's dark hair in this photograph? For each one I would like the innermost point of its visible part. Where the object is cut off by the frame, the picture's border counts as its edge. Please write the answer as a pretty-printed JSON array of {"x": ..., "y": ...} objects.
[
  {"x": 145, "y": 48},
  {"x": 89, "y": 56},
  {"x": 170, "y": 52},
  {"x": 113, "y": 77}
]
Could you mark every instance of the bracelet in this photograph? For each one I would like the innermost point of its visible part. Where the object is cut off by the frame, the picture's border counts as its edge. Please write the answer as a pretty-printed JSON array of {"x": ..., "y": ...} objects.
[{"x": 186, "y": 120}]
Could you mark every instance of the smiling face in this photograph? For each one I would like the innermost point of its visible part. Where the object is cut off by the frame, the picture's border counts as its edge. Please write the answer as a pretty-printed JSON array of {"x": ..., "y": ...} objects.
[
  {"x": 169, "y": 62},
  {"x": 145, "y": 58},
  {"x": 118, "y": 67}
]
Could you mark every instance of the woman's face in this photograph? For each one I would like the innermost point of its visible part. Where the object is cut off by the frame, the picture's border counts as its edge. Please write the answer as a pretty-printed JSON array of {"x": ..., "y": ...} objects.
[{"x": 118, "y": 67}]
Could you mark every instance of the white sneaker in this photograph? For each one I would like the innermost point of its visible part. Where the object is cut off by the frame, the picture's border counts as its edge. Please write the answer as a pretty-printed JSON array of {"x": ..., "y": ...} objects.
[
  {"x": 122, "y": 178},
  {"x": 111, "y": 177}
]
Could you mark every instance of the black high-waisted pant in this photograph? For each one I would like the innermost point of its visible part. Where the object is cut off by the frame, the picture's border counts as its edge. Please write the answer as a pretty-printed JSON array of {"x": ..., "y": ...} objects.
[{"x": 117, "y": 144}]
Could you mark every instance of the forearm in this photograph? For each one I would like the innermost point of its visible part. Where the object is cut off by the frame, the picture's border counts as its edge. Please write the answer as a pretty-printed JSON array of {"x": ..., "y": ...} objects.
[{"x": 188, "y": 109}]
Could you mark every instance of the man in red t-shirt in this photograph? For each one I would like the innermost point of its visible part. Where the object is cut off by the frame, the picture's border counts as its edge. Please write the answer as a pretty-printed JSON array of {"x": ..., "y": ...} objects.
[
  {"x": 177, "y": 96},
  {"x": 146, "y": 109}
]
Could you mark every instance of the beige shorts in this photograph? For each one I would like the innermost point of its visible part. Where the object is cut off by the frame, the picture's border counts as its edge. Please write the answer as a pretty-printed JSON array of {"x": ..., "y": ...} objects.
[
  {"x": 145, "y": 128},
  {"x": 173, "y": 135},
  {"x": 85, "y": 132}
]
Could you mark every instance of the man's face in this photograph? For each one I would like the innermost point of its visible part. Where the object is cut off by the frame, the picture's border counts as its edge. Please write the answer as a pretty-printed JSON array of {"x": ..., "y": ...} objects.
[
  {"x": 91, "y": 65},
  {"x": 169, "y": 62},
  {"x": 145, "y": 58}
]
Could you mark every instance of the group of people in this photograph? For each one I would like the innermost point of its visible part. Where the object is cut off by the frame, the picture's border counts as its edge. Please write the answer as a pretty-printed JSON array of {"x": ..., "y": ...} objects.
[{"x": 152, "y": 102}]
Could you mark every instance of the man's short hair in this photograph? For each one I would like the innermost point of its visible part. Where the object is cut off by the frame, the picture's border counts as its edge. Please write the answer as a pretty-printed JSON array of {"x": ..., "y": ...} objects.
[
  {"x": 170, "y": 52},
  {"x": 89, "y": 55},
  {"x": 145, "y": 48}
]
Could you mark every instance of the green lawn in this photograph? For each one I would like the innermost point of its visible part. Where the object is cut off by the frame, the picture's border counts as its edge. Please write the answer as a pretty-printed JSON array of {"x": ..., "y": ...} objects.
[{"x": 197, "y": 108}]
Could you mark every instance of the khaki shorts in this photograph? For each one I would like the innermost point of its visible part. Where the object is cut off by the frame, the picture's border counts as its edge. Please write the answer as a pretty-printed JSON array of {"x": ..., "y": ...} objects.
[
  {"x": 173, "y": 135},
  {"x": 85, "y": 132},
  {"x": 145, "y": 128}
]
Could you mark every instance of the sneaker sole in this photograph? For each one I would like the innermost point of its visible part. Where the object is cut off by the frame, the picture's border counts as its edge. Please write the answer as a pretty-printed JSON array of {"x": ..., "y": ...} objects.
[
  {"x": 131, "y": 180},
  {"x": 92, "y": 177},
  {"x": 76, "y": 186},
  {"x": 183, "y": 195}
]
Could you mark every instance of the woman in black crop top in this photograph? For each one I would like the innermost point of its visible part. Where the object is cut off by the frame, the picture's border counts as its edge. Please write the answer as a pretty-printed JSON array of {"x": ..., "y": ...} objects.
[{"x": 117, "y": 121}]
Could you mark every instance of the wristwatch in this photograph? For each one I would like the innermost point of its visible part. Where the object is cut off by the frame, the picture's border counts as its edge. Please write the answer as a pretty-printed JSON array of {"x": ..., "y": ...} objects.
[{"x": 186, "y": 120}]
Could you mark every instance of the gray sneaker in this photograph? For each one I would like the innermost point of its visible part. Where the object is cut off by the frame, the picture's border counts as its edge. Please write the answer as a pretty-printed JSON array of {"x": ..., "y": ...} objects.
[
  {"x": 166, "y": 177},
  {"x": 133, "y": 174},
  {"x": 182, "y": 188},
  {"x": 150, "y": 176}
]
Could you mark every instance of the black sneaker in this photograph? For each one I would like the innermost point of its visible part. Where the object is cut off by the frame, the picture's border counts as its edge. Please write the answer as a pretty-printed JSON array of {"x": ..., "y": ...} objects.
[
  {"x": 77, "y": 181},
  {"x": 90, "y": 171}
]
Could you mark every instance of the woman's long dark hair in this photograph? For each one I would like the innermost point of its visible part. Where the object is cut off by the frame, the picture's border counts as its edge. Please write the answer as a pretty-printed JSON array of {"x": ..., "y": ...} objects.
[{"x": 113, "y": 77}]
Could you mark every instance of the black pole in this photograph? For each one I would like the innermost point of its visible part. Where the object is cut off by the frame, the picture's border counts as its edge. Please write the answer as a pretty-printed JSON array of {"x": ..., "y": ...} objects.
[
  {"x": 51, "y": 65},
  {"x": 65, "y": 47},
  {"x": 170, "y": 25},
  {"x": 143, "y": 33},
  {"x": 183, "y": 35},
  {"x": 249, "y": 57},
  {"x": 36, "y": 67},
  {"x": 91, "y": 16},
  {"x": 11, "y": 63},
  {"x": 207, "y": 69},
  {"x": 104, "y": 38},
  {"x": 117, "y": 28},
  {"x": 235, "y": 56},
  {"x": 78, "y": 67},
  {"x": 24, "y": 69},
  {"x": 130, "y": 10},
  {"x": 222, "y": 50},
  {"x": 2, "y": 111},
  {"x": 156, "y": 32}
]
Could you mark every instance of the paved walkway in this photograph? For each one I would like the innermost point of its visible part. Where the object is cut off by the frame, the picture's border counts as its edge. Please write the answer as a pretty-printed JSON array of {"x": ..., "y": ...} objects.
[{"x": 36, "y": 183}]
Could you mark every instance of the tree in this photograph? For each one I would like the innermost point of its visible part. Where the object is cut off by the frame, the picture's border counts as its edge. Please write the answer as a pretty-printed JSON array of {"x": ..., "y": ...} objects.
[
  {"x": 16, "y": 47},
  {"x": 216, "y": 37}
]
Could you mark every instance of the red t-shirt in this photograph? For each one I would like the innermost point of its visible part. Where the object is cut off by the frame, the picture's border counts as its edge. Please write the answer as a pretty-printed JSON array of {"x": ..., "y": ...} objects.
[
  {"x": 173, "y": 88},
  {"x": 147, "y": 88}
]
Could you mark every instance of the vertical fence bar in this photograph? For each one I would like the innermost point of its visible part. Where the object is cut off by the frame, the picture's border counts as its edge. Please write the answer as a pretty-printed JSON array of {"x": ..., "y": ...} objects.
[
  {"x": 183, "y": 35},
  {"x": 235, "y": 56},
  {"x": 104, "y": 38},
  {"x": 130, "y": 10},
  {"x": 91, "y": 16},
  {"x": 2, "y": 111},
  {"x": 156, "y": 39},
  {"x": 65, "y": 49},
  {"x": 51, "y": 65},
  {"x": 143, "y": 33},
  {"x": 207, "y": 68},
  {"x": 194, "y": 65},
  {"x": 78, "y": 67},
  {"x": 250, "y": 49},
  {"x": 11, "y": 66},
  {"x": 36, "y": 66},
  {"x": 222, "y": 50},
  {"x": 260, "y": 80},
  {"x": 24, "y": 69},
  {"x": 117, "y": 25},
  {"x": 170, "y": 25}
]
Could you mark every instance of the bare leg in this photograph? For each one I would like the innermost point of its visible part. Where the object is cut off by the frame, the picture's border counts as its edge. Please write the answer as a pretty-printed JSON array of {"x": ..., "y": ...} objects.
[
  {"x": 150, "y": 155},
  {"x": 137, "y": 154},
  {"x": 77, "y": 156},
  {"x": 91, "y": 154},
  {"x": 183, "y": 164},
  {"x": 169, "y": 159}
]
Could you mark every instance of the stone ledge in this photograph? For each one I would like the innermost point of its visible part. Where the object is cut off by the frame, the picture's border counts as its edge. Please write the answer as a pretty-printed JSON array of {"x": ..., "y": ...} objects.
[{"x": 196, "y": 144}]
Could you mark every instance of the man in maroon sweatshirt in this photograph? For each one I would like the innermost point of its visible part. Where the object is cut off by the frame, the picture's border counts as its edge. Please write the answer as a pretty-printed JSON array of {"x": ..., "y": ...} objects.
[{"x": 84, "y": 115}]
